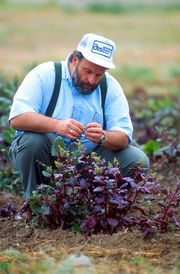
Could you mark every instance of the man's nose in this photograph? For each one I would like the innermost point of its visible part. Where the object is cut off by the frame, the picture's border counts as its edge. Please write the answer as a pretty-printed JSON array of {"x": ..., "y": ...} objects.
[{"x": 92, "y": 79}]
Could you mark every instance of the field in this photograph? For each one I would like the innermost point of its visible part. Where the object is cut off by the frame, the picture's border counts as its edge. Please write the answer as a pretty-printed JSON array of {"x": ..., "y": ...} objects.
[
  {"x": 147, "y": 42},
  {"x": 147, "y": 65}
]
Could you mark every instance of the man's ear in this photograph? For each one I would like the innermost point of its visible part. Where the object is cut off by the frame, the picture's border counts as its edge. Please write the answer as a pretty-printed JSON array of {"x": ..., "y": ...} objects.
[{"x": 75, "y": 60}]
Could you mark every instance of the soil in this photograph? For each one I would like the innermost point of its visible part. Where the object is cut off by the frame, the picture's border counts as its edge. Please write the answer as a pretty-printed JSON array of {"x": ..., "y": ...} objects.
[{"x": 162, "y": 250}]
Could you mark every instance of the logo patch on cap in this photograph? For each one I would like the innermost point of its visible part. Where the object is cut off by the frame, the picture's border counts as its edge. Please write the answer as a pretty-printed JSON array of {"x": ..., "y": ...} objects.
[{"x": 102, "y": 48}]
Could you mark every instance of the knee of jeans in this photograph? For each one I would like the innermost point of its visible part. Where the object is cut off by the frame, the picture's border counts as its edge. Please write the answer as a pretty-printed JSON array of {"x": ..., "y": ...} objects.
[
  {"x": 34, "y": 143},
  {"x": 143, "y": 159}
]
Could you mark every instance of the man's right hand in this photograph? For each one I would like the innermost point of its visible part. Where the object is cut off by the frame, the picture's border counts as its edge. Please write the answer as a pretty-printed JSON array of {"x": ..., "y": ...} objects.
[{"x": 70, "y": 128}]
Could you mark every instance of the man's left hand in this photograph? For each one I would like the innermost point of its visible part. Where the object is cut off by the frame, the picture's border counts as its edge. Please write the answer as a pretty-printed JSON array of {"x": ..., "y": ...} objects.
[{"x": 93, "y": 132}]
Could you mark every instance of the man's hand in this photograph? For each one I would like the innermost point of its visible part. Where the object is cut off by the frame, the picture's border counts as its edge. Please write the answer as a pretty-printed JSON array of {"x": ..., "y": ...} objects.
[
  {"x": 114, "y": 140},
  {"x": 70, "y": 128},
  {"x": 93, "y": 132}
]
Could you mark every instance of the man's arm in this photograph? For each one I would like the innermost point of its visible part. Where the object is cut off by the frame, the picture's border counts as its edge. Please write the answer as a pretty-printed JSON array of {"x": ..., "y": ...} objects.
[
  {"x": 39, "y": 123},
  {"x": 114, "y": 140}
]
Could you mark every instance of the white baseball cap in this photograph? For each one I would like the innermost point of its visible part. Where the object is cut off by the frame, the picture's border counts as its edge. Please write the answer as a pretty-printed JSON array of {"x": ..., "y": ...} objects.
[{"x": 97, "y": 49}]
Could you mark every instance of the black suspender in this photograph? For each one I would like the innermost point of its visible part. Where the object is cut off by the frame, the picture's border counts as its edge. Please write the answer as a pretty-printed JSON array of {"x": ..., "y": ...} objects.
[
  {"x": 57, "y": 86},
  {"x": 103, "y": 87}
]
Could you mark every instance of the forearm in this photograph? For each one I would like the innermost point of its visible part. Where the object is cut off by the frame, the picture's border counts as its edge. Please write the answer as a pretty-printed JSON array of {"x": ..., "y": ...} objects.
[
  {"x": 39, "y": 123},
  {"x": 115, "y": 140},
  {"x": 35, "y": 122}
]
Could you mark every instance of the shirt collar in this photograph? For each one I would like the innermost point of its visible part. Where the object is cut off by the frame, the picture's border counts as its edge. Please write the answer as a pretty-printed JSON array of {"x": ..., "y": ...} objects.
[{"x": 66, "y": 71}]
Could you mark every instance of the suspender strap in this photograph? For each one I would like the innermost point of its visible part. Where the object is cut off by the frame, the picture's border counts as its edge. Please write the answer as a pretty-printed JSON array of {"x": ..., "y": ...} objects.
[
  {"x": 103, "y": 87},
  {"x": 55, "y": 94}
]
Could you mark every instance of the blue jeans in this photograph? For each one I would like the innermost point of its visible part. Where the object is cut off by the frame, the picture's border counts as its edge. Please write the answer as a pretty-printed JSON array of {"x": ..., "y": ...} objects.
[{"x": 29, "y": 148}]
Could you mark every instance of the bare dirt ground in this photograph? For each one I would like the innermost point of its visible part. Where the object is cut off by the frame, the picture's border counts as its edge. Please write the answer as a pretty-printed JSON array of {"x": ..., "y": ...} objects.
[{"x": 162, "y": 250}]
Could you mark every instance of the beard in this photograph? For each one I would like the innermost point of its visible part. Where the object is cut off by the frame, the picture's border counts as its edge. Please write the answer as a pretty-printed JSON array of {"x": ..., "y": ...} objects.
[{"x": 83, "y": 87}]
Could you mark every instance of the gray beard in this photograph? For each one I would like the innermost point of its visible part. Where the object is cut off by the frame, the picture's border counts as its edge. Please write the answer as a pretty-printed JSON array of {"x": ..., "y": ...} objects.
[{"x": 80, "y": 86}]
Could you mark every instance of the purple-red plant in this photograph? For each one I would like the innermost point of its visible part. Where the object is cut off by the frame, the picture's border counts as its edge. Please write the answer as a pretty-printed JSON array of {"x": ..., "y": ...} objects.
[
  {"x": 7, "y": 211},
  {"x": 169, "y": 209},
  {"x": 88, "y": 195}
]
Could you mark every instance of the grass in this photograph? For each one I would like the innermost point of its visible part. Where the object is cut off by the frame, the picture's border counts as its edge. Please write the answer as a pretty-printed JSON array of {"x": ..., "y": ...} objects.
[
  {"x": 116, "y": 8},
  {"x": 105, "y": 6},
  {"x": 138, "y": 74}
]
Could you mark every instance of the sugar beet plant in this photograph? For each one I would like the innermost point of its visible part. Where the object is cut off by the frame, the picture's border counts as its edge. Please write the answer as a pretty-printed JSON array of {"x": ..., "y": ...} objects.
[{"x": 85, "y": 194}]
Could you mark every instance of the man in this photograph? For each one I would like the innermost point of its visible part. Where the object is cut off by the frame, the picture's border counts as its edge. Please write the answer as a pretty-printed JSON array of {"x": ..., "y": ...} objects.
[{"x": 78, "y": 107}]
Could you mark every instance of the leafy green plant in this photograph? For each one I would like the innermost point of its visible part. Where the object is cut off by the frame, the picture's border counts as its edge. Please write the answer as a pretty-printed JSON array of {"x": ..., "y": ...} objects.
[
  {"x": 7, "y": 90},
  {"x": 8, "y": 86},
  {"x": 151, "y": 147},
  {"x": 9, "y": 178}
]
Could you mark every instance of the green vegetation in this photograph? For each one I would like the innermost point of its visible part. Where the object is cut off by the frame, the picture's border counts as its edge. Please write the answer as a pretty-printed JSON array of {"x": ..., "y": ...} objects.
[
  {"x": 116, "y": 8},
  {"x": 137, "y": 74},
  {"x": 113, "y": 7},
  {"x": 9, "y": 179}
]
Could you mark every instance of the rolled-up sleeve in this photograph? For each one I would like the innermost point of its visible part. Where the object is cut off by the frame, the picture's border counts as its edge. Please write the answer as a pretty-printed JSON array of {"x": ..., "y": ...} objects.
[
  {"x": 28, "y": 97},
  {"x": 35, "y": 91},
  {"x": 117, "y": 109}
]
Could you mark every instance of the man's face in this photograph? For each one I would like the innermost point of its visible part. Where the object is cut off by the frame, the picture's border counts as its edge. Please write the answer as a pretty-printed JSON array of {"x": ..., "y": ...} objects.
[{"x": 86, "y": 76}]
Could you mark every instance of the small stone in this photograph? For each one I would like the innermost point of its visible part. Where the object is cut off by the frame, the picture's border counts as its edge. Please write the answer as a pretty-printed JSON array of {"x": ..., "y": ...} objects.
[{"x": 78, "y": 260}]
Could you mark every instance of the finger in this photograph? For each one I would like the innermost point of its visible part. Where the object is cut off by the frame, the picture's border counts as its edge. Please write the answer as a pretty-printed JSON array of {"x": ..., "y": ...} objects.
[
  {"x": 94, "y": 136},
  {"x": 94, "y": 130},
  {"x": 73, "y": 135},
  {"x": 76, "y": 127},
  {"x": 70, "y": 135},
  {"x": 70, "y": 131},
  {"x": 75, "y": 132},
  {"x": 75, "y": 123},
  {"x": 93, "y": 125}
]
